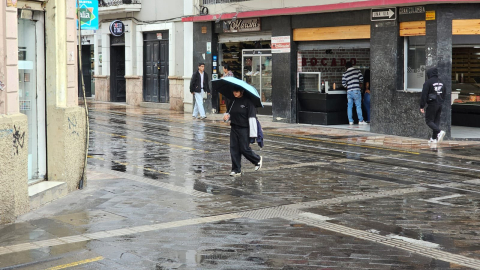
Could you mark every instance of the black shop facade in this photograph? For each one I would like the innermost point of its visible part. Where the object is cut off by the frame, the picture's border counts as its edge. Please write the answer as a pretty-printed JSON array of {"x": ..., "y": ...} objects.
[{"x": 299, "y": 77}]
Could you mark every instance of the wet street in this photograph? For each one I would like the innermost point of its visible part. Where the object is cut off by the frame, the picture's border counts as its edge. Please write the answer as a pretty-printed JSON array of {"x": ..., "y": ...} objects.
[{"x": 159, "y": 197}]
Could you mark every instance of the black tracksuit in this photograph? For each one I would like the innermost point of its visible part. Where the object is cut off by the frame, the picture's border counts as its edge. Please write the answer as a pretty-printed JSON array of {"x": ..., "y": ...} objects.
[
  {"x": 241, "y": 113},
  {"x": 433, "y": 87}
]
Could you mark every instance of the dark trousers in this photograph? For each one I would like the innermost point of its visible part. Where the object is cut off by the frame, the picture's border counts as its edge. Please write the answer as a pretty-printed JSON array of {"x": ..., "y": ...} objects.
[
  {"x": 240, "y": 145},
  {"x": 432, "y": 118}
]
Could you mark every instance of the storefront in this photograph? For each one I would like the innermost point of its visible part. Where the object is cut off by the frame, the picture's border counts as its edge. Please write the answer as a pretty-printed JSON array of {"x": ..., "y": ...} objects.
[
  {"x": 245, "y": 48},
  {"x": 397, "y": 49},
  {"x": 31, "y": 72}
]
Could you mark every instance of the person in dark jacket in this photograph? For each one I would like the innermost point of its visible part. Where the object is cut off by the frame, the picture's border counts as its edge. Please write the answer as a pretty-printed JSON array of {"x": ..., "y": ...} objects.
[
  {"x": 242, "y": 115},
  {"x": 433, "y": 95},
  {"x": 199, "y": 85}
]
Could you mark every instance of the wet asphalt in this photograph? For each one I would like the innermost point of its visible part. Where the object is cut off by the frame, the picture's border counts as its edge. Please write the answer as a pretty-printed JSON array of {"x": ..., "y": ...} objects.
[{"x": 317, "y": 203}]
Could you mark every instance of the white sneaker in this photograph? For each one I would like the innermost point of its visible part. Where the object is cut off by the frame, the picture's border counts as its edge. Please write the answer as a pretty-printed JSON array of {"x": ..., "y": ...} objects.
[
  {"x": 350, "y": 123},
  {"x": 432, "y": 141},
  {"x": 234, "y": 174},
  {"x": 259, "y": 165},
  {"x": 362, "y": 123},
  {"x": 440, "y": 136}
]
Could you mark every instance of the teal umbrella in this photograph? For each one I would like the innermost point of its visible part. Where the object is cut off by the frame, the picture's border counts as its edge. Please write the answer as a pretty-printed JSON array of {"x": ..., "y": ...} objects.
[{"x": 226, "y": 85}]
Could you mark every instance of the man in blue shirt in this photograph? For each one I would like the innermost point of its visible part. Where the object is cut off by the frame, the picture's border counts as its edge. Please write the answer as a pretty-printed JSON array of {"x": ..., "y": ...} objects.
[{"x": 351, "y": 80}]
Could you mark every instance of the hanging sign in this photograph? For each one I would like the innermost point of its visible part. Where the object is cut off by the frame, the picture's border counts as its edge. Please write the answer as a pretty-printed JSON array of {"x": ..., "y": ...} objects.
[
  {"x": 242, "y": 25},
  {"x": 88, "y": 12},
  {"x": 384, "y": 14},
  {"x": 281, "y": 44},
  {"x": 117, "y": 28}
]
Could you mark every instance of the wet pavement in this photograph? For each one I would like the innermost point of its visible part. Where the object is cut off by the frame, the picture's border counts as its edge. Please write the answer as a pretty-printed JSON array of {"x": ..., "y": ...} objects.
[{"x": 159, "y": 197}]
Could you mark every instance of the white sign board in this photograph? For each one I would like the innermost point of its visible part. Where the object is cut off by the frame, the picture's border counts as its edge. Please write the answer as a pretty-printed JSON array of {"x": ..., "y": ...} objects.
[{"x": 281, "y": 44}]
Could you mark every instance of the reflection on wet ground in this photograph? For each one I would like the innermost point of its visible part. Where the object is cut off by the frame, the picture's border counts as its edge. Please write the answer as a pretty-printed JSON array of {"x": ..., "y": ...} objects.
[{"x": 159, "y": 197}]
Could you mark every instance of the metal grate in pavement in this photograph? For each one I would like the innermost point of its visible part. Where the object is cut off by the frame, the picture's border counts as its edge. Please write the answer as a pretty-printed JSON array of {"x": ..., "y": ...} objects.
[
  {"x": 273, "y": 212},
  {"x": 184, "y": 190},
  {"x": 396, "y": 243}
]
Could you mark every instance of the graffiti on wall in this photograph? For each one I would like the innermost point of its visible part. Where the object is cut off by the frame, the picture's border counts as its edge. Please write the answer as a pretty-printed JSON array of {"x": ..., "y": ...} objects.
[
  {"x": 72, "y": 125},
  {"x": 18, "y": 139}
]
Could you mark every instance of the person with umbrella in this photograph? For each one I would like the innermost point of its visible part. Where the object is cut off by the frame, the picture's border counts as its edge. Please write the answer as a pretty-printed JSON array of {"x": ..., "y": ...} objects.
[{"x": 242, "y": 115}]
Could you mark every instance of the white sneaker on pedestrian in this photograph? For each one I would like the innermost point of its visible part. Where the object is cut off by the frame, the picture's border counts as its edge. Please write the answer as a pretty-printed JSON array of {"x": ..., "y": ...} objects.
[
  {"x": 203, "y": 117},
  {"x": 234, "y": 174},
  {"x": 362, "y": 123},
  {"x": 259, "y": 165},
  {"x": 350, "y": 123},
  {"x": 432, "y": 141},
  {"x": 440, "y": 136},
  {"x": 194, "y": 117}
]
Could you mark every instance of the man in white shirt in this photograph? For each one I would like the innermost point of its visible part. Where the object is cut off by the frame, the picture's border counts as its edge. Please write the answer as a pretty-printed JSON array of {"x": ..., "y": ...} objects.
[{"x": 199, "y": 85}]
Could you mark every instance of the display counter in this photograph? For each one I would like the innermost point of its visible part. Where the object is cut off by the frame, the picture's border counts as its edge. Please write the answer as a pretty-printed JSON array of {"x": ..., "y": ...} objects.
[{"x": 317, "y": 107}]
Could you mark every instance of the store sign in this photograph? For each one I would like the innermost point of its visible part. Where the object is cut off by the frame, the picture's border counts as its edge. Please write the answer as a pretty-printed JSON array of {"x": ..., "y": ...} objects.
[
  {"x": 332, "y": 62},
  {"x": 242, "y": 25},
  {"x": 117, "y": 28},
  {"x": 384, "y": 14},
  {"x": 411, "y": 10},
  {"x": 281, "y": 44},
  {"x": 88, "y": 13}
]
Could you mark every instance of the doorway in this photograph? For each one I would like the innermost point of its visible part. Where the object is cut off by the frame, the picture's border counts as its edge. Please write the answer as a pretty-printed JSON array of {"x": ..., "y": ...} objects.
[
  {"x": 156, "y": 86},
  {"x": 118, "y": 85},
  {"x": 87, "y": 71},
  {"x": 31, "y": 71}
]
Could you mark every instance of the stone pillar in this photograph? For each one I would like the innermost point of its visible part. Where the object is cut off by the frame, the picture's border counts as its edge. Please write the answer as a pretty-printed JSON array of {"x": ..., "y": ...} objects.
[
  {"x": 134, "y": 90},
  {"x": 393, "y": 112},
  {"x": 176, "y": 93},
  {"x": 284, "y": 65},
  {"x": 439, "y": 53},
  {"x": 65, "y": 120}
]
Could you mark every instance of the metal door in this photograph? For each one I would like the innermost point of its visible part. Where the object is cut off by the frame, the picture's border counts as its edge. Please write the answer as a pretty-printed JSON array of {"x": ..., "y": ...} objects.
[{"x": 118, "y": 83}]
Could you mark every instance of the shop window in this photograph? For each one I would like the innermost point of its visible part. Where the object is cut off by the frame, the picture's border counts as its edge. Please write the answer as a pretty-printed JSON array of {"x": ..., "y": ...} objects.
[{"x": 415, "y": 57}]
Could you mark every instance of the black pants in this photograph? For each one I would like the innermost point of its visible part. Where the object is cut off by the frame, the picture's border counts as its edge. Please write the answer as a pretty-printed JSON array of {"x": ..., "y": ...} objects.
[
  {"x": 432, "y": 117},
  {"x": 240, "y": 145}
]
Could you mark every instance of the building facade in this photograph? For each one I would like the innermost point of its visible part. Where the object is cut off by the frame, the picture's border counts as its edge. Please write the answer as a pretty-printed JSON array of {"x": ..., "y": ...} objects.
[
  {"x": 42, "y": 128},
  {"x": 144, "y": 65},
  {"x": 294, "y": 53}
]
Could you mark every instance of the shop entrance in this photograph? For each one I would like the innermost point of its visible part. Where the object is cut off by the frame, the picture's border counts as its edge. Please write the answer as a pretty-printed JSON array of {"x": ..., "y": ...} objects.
[
  {"x": 156, "y": 68},
  {"x": 117, "y": 74},
  {"x": 322, "y": 99},
  {"x": 249, "y": 61},
  {"x": 31, "y": 71}
]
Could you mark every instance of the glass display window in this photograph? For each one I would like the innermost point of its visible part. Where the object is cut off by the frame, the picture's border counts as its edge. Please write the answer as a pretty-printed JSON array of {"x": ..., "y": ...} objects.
[{"x": 257, "y": 71}]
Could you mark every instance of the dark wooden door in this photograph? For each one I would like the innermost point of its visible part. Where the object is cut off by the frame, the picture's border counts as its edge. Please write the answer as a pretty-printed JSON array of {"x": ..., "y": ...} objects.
[
  {"x": 163, "y": 72},
  {"x": 87, "y": 72},
  {"x": 118, "y": 85},
  {"x": 156, "y": 71}
]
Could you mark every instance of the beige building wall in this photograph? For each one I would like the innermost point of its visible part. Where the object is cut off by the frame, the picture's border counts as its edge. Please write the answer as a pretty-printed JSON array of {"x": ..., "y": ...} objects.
[{"x": 65, "y": 119}]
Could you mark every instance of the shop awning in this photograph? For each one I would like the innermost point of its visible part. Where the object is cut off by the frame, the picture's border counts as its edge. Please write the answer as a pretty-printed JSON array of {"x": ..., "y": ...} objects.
[{"x": 334, "y": 44}]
